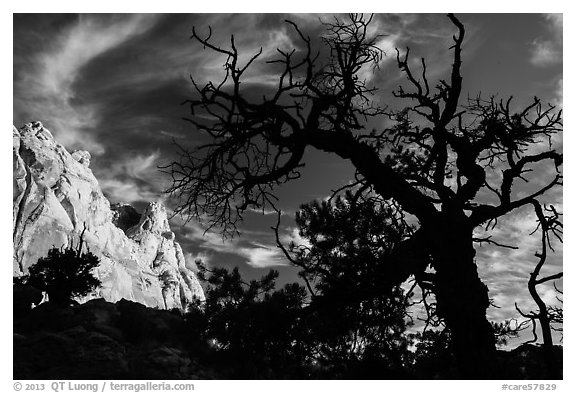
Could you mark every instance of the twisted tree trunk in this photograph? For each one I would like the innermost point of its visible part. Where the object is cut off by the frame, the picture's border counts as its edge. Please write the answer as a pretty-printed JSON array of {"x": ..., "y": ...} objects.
[{"x": 462, "y": 300}]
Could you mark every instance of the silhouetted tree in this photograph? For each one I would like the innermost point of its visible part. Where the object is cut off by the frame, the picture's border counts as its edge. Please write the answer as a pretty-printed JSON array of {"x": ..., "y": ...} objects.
[
  {"x": 505, "y": 330},
  {"x": 344, "y": 264},
  {"x": 432, "y": 357},
  {"x": 546, "y": 315},
  {"x": 65, "y": 274},
  {"x": 433, "y": 160},
  {"x": 255, "y": 330}
]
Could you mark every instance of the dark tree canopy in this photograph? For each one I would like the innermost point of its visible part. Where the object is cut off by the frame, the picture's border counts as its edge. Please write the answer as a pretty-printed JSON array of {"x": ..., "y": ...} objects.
[
  {"x": 65, "y": 274},
  {"x": 345, "y": 268},
  {"x": 345, "y": 325},
  {"x": 254, "y": 329},
  {"x": 351, "y": 242},
  {"x": 452, "y": 164}
]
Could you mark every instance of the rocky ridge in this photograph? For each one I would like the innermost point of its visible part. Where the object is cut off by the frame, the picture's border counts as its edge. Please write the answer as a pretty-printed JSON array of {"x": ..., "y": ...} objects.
[
  {"x": 55, "y": 195},
  {"x": 102, "y": 340}
]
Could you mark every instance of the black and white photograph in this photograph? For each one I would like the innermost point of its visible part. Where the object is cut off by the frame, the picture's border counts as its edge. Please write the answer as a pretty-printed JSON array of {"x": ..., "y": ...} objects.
[{"x": 288, "y": 196}]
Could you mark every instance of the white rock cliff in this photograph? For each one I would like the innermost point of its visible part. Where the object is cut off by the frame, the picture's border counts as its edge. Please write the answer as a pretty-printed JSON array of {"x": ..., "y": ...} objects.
[{"x": 55, "y": 195}]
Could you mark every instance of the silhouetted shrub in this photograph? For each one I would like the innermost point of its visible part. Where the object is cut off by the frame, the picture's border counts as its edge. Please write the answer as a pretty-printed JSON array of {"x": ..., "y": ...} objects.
[
  {"x": 432, "y": 357},
  {"x": 253, "y": 330},
  {"x": 64, "y": 274}
]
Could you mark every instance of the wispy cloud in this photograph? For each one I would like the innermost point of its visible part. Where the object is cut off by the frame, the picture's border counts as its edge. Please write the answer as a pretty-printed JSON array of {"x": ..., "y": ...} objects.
[
  {"x": 547, "y": 51},
  {"x": 259, "y": 252},
  {"x": 140, "y": 165},
  {"x": 506, "y": 271},
  {"x": 128, "y": 192},
  {"x": 191, "y": 259},
  {"x": 292, "y": 235},
  {"x": 387, "y": 45},
  {"x": 559, "y": 94},
  {"x": 268, "y": 40},
  {"x": 47, "y": 90},
  {"x": 262, "y": 256},
  {"x": 134, "y": 178}
]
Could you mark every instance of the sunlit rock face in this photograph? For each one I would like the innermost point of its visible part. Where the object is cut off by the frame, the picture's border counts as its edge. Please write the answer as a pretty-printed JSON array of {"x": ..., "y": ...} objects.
[{"x": 55, "y": 195}]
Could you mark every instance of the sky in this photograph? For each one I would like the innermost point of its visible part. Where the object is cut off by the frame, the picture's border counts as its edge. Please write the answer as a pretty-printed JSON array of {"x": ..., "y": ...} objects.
[{"x": 114, "y": 85}]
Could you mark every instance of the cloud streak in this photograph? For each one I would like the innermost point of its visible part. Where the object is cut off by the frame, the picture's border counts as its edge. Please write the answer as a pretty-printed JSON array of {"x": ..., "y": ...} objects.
[
  {"x": 547, "y": 51},
  {"x": 506, "y": 271},
  {"x": 47, "y": 89},
  {"x": 259, "y": 252},
  {"x": 134, "y": 179}
]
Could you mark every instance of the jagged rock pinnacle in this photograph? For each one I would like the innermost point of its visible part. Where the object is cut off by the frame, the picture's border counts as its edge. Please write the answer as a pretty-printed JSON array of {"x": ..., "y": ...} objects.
[{"x": 55, "y": 195}]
